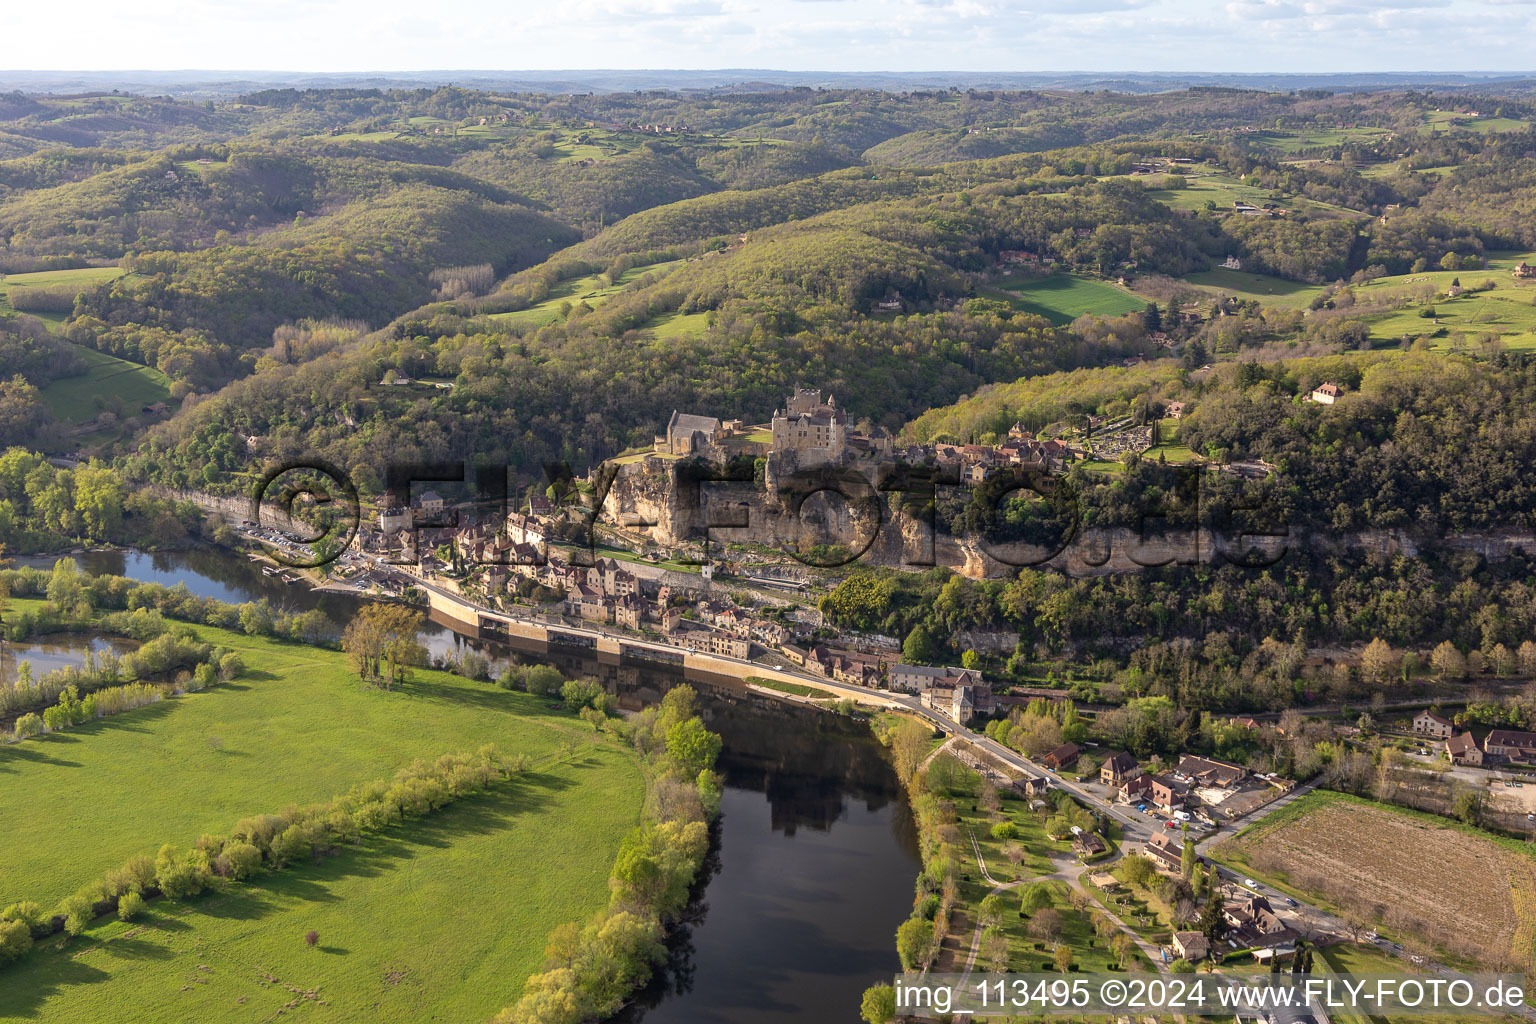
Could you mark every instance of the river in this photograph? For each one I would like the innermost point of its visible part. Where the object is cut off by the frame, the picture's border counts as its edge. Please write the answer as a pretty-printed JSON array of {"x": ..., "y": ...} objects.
[{"x": 813, "y": 860}]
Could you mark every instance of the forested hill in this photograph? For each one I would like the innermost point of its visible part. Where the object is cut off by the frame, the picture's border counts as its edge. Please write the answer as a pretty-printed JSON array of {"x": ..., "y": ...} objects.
[{"x": 576, "y": 267}]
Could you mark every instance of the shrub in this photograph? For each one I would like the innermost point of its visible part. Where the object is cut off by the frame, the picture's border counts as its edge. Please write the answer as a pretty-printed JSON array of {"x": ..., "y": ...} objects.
[
  {"x": 543, "y": 680},
  {"x": 258, "y": 831},
  {"x": 231, "y": 667},
  {"x": 512, "y": 678},
  {"x": 29, "y": 914},
  {"x": 129, "y": 906},
  {"x": 15, "y": 940},
  {"x": 1005, "y": 830},
  {"x": 28, "y": 725},
  {"x": 242, "y": 860},
  {"x": 293, "y": 844},
  {"x": 202, "y": 677},
  {"x": 78, "y": 911},
  {"x": 179, "y": 877},
  {"x": 311, "y": 937}
]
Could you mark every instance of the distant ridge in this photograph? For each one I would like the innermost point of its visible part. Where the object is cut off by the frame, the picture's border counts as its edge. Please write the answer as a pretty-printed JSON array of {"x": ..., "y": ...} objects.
[{"x": 206, "y": 83}]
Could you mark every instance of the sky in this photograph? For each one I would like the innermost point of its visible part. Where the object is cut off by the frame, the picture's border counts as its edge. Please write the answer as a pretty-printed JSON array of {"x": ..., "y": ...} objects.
[{"x": 793, "y": 35}]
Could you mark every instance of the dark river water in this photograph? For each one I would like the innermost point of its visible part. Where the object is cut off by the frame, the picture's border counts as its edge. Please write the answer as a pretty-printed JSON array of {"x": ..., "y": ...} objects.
[{"x": 814, "y": 857}]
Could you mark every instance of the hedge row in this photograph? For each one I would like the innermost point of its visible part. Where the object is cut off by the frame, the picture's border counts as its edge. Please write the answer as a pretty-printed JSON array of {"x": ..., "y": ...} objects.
[{"x": 590, "y": 970}]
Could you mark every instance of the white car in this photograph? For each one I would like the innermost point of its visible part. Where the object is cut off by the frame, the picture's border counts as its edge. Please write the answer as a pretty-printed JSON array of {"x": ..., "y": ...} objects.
[{"x": 1250, "y": 883}]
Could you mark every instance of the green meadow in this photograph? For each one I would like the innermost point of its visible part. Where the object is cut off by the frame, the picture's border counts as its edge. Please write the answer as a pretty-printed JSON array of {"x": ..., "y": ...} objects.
[
  {"x": 81, "y": 278},
  {"x": 1507, "y": 310},
  {"x": 108, "y": 382},
  {"x": 1267, "y": 290},
  {"x": 1062, "y": 298},
  {"x": 679, "y": 325},
  {"x": 589, "y": 289},
  {"x": 445, "y": 915}
]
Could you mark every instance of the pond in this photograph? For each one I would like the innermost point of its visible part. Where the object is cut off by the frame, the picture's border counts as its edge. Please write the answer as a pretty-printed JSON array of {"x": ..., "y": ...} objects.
[{"x": 55, "y": 651}]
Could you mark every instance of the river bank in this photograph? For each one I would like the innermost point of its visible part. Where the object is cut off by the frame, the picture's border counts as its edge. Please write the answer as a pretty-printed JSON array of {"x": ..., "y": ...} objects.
[{"x": 815, "y": 832}]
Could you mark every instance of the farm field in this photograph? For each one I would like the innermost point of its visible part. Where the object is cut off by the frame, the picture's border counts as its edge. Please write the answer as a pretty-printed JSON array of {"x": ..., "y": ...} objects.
[
  {"x": 1267, "y": 290},
  {"x": 297, "y": 728},
  {"x": 108, "y": 382},
  {"x": 1062, "y": 298},
  {"x": 578, "y": 289},
  {"x": 1415, "y": 875},
  {"x": 404, "y": 934}
]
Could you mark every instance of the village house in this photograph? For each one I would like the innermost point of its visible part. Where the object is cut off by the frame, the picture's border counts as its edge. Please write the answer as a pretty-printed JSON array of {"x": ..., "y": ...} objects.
[
  {"x": 1209, "y": 773},
  {"x": 1176, "y": 409},
  {"x": 1030, "y": 786},
  {"x": 1136, "y": 788},
  {"x": 1524, "y": 269},
  {"x": 1427, "y": 723},
  {"x": 1118, "y": 769},
  {"x": 1166, "y": 851},
  {"x": 1511, "y": 745},
  {"x": 588, "y": 603},
  {"x": 1168, "y": 794},
  {"x": 918, "y": 678},
  {"x": 394, "y": 519},
  {"x": 1254, "y": 924},
  {"x": 1232, "y": 263},
  {"x": 1326, "y": 394},
  {"x": 1462, "y": 748},
  {"x": 629, "y": 612},
  {"x": 1063, "y": 756},
  {"x": 1191, "y": 946},
  {"x": 1088, "y": 844}
]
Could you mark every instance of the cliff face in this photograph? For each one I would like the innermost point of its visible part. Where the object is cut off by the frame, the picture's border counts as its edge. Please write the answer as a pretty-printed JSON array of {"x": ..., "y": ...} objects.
[{"x": 667, "y": 503}]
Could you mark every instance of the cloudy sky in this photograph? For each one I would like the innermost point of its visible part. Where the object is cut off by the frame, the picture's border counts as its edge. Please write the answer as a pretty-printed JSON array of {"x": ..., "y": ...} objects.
[{"x": 795, "y": 35}]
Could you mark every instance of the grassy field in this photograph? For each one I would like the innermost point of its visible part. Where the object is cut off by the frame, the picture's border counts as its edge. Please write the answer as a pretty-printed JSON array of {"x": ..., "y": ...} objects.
[
  {"x": 1351, "y": 958},
  {"x": 1062, "y": 298},
  {"x": 1168, "y": 447},
  {"x": 78, "y": 399},
  {"x": 679, "y": 325},
  {"x": 1508, "y": 310},
  {"x": 82, "y": 278},
  {"x": 168, "y": 773},
  {"x": 1417, "y": 874},
  {"x": 402, "y": 936},
  {"x": 1205, "y": 185},
  {"x": 1267, "y": 290},
  {"x": 439, "y": 920},
  {"x": 1295, "y": 141},
  {"x": 587, "y": 289},
  {"x": 1440, "y": 120},
  {"x": 794, "y": 689}
]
